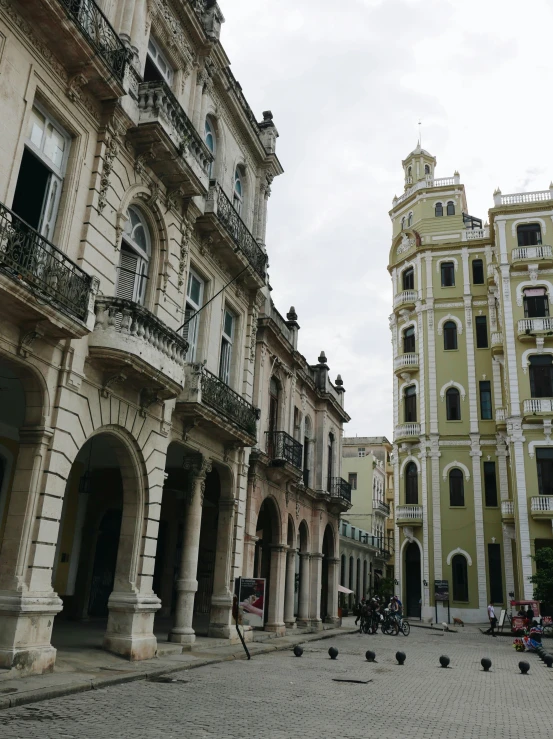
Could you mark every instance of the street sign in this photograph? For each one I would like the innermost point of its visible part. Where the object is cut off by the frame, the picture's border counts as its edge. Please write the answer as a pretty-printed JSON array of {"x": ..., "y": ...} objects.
[
  {"x": 441, "y": 590},
  {"x": 251, "y": 600}
]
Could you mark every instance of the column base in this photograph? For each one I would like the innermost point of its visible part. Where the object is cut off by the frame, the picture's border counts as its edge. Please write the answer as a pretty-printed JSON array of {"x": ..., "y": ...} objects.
[
  {"x": 220, "y": 625},
  {"x": 278, "y": 629},
  {"x": 290, "y": 625},
  {"x": 316, "y": 624},
  {"x": 334, "y": 620},
  {"x": 303, "y": 623},
  {"x": 182, "y": 635},
  {"x": 25, "y": 631},
  {"x": 130, "y": 629}
]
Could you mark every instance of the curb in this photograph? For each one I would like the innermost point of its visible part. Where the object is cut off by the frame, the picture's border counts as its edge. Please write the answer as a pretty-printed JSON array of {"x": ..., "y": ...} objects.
[{"x": 83, "y": 686}]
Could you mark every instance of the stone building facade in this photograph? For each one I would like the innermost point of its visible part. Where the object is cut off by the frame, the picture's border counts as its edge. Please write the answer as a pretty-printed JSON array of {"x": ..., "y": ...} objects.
[
  {"x": 360, "y": 563},
  {"x": 472, "y": 391},
  {"x": 134, "y": 181}
]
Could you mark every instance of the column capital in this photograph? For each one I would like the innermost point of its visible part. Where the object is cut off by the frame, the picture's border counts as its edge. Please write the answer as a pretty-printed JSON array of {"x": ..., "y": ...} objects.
[
  {"x": 198, "y": 465},
  {"x": 36, "y": 434},
  {"x": 278, "y": 547},
  {"x": 305, "y": 555},
  {"x": 317, "y": 555},
  {"x": 333, "y": 560}
]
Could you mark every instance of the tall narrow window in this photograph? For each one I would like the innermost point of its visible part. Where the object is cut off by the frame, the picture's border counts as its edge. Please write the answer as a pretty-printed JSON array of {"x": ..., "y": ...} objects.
[
  {"x": 352, "y": 479},
  {"x": 450, "y": 335},
  {"x": 307, "y": 453},
  {"x": 541, "y": 376},
  {"x": 496, "y": 573},
  {"x": 227, "y": 340},
  {"x": 330, "y": 461},
  {"x": 426, "y": 169},
  {"x": 409, "y": 171},
  {"x": 408, "y": 279},
  {"x": 410, "y": 404},
  {"x": 456, "y": 488},
  {"x": 485, "y": 400},
  {"x": 453, "y": 404},
  {"x": 544, "y": 462},
  {"x": 403, "y": 223},
  {"x": 409, "y": 220},
  {"x": 439, "y": 210},
  {"x": 448, "y": 274},
  {"x": 210, "y": 142},
  {"x": 194, "y": 299},
  {"x": 40, "y": 179},
  {"x": 451, "y": 208},
  {"x": 238, "y": 195},
  {"x": 157, "y": 67},
  {"x": 481, "y": 332},
  {"x": 529, "y": 234},
  {"x": 460, "y": 578},
  {"x": 490, "y": 485},
  {"x": 411, "y": 484},
  {"x": 477, "y": 272},
  {"x": 536, "y": 304},
  {"x": 409, "y": 340},
  {"x": 134, "y": 258}
]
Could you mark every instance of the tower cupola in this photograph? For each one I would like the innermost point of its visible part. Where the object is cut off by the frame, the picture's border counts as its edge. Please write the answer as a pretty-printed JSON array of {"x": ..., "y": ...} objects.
[{"x": 418, "y": 166}]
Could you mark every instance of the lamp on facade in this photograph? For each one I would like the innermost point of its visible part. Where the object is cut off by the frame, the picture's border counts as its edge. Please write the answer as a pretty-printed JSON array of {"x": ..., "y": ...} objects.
[
  {"x": 425, "y": 583},
  {"x": 396, "y": 582}
]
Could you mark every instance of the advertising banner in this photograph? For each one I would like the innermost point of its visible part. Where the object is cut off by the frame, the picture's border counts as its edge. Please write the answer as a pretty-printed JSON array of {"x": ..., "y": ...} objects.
[
  {"x": 251, "y": 600},
  {"x": 441, "y": 590}
]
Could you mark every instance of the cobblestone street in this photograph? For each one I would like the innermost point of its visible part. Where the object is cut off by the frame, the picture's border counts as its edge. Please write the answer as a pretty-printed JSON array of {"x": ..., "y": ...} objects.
[{"x": 280, "y": 696}]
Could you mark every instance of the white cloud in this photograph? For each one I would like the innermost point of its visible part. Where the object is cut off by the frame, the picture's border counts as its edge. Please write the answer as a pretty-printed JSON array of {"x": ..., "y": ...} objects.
[{"x": 347, "y": 83}]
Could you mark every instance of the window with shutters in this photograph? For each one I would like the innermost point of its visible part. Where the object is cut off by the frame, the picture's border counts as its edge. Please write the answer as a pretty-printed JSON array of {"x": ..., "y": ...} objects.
[
  {"x": 529, "y": 234},
  {"x": 194, "y": 301},
  {"x": 41, "y": 172},
  {"x": 536, "y": 303},
  {"x": 238, "y": 194},
  {"x": 157, "y": 65},
  {"x": 227, "y": 340},
  {"x": 134, "y": 258},
  {"x": 210, "y": 141}
]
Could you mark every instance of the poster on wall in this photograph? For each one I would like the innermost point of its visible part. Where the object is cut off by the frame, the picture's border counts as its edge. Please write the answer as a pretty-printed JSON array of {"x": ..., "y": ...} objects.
[
  {"x": 251, "y": 600},
  {"x": 441, "y": 590}
]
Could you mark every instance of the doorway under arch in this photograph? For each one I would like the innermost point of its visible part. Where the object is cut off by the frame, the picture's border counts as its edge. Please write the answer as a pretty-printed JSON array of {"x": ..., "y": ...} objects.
[
  {"x": 268, "y": 535},
  {"x": 327, "y": 575},
  {"x": 413, "y": 591}
]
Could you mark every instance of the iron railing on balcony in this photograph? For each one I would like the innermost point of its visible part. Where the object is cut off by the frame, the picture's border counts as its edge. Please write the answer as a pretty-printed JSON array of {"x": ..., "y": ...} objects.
[
  {"x": 223, "y": 399},
  {"x": 100, "y": 34},
  {"x": 238, "y": 231},
  {"x": 156, "y": 98},
  {"x": 339, "y": 488},
  {"x": 32, "y": 260},
  {"x": 282, "y": 446}
]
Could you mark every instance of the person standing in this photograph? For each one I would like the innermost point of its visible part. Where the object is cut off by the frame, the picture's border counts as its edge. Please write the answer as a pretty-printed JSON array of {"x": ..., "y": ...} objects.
[{"x": 493, "y": 619}]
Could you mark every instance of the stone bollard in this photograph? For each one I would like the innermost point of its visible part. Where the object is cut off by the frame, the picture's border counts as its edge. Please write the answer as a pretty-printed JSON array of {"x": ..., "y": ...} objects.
[
  {"x": 486, "y": 663},
  {"x": 370, "y": 656},
  {"x": 298, "y": 651},
  {"x": 548, "y": 659},
  {"x": 401, "y": 657},
  {"x": 444, "y": 660},
  {"x": 524, "y": 667},
  {"x": 333, "y": 652}
]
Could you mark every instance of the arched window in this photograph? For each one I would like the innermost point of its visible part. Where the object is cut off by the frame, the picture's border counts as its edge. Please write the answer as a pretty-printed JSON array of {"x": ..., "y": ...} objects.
[
  {"x": 453, "y": 404},
  {"x": 439, "y": 210},
  {"x": 426, "y": 169},
  {"x": 410, "y": 404},
  {"x": 408, "y": 279},
  {"x": 409, "y": 171},
  {"x": 451, "y": 208},
  {"x": 210, "y": 142},
  {"x": 410, "y": 220},
  {"x": 536, "y": 303},
  {"x": 403, "y": 223},
  {"x": 134, "y": 258},
  {"x": 541, "y": 376},
  {"x": 409, "y": 340},
  {"x": 529, "y": 234},
  {"x": 460, "y": 578},
  {"x": 450, "y": 335},
  {"x": 307, "y": 453},
  {"x": 343, "y": 570},
  {"x": 238, "y": 195},
  {"x": 411, "y": 484},
  {"x": 456, "y": 488},
  {"x": 330, "y": 461}
]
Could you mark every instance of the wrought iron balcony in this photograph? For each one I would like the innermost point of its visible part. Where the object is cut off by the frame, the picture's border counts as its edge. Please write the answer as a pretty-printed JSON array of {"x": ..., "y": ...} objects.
[
  {"x": 166, "y": 136},
  {"x": 230, "y": 235},
  {"x": 84, "y": 41},
  {"x": 211, "y": 403},
  {"x": 281, "y": 447},
  {"x": 35, "y": 263},
  {"x": 380, "y": 507},
  {"x": 339, "y": 488},
  {"x": 131, "y": 343}
]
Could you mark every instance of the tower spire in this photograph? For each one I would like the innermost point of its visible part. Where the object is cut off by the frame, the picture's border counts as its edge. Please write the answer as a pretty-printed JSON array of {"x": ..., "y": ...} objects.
[{"x": 420, "y": 134}]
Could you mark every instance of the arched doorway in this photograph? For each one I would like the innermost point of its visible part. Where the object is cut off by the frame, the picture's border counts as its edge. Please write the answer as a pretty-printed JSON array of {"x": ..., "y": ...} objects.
[
  {"x": 304, "y": 574},
  {"x": 267, "y": 562},
  {"x": 328, "y": 575},
  {"x": 412, "y": 576}
]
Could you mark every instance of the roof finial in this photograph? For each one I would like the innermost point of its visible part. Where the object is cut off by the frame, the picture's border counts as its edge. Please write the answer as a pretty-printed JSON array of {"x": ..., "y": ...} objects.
[{"x": 420, "y": 134}]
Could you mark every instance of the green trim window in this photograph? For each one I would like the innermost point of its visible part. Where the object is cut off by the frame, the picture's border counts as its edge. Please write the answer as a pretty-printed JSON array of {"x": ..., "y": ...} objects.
[
  {"x": 456, "y": 488},
  {"x": 481, "y": 332},
  {"x": 477, "y": 272},
  {"x": 453, "y": 404},
  {"x": 544, "y": 463},
  {"x": 485, "y": 388},
  {"x": 490, "y": 485},
  {"x": 460, "y": 578}
]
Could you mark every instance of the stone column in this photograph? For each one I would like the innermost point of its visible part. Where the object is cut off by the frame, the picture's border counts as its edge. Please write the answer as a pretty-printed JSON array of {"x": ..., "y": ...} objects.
[
  {"x": 303, "y": 614},
  {"x": 201, "y": 78},
  {"x": 275, "y": 616},
  {"x": 289, "y": 618},
  {"x": 187, "y": 584},
  {"x": 221, "y": 601},
  {"x": 316, "y": 576},
  {"x": 332, "y": 605}
]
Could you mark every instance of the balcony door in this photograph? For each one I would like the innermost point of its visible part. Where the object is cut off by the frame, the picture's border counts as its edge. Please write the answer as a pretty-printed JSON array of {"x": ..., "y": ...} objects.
[
  {"x": 274, "y": 398},
  {"x": 541, "y": 376},
  {"x": 134, "y": 259}
]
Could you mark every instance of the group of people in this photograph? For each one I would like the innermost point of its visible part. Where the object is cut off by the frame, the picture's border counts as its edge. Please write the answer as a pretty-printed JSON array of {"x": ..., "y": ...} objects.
[{"x": 370, "y": 611}]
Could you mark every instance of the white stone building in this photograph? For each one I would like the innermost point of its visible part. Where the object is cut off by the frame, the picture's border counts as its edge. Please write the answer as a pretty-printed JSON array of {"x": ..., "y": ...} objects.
[{"x": 134, "y": 181}]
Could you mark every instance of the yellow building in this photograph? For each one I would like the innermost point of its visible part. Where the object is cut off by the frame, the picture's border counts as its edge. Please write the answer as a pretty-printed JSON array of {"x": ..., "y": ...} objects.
[{"x": 473, "y": 392}]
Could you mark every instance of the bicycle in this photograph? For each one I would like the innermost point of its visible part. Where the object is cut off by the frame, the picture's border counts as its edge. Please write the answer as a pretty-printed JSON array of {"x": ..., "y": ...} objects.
[
  {"x": 390, "y": 625},
  {"x": 404, "y": 626}
]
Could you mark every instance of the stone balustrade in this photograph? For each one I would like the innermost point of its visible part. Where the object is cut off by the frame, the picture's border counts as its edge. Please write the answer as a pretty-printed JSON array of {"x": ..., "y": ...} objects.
[
  {"x": 535, "y": 325},
  {"x": 404, "y": 297},
  {"x": 520, "y": 198},
  {"x": 407, "y": 429},
  {"x": 474, "y": 234},
  {"x": 507, "y": 509},
  {"x": 527, "y": 253},
  {"x": 542, "y": 506},
  {"x": 410, "y": 514},
  {"x": 537, "y": 405},
  {"x": 402, "y": 361},
  {"x": 427, "y": 183}
]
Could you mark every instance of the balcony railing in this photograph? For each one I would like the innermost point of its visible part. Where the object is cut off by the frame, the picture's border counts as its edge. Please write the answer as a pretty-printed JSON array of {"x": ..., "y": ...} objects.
[
  {"x": 283, "y": 447},
  {"x": 537, "y": 405},
  {"x": 99, "y": 33},
  {"x": 500, "y": 415},
  {"x": 379, "y": 505},
  {"x": 529, "y": 325},
  {"x": 491, "y": 271},
  {"x": 519, "y": 198},
  {"x": 542, "y": 504},
  {"x": 428, "y": 182},
  {"x": 407, "y": 296},
  {"x": 409, "y": 512},
  {"x": 406, "y": 360},
  {"x": 473, "y": 234},
  {"x": 237, "y": 229},
  {"x": 407, "y": 429},
  {"x": 507, "y": 508},
  {"x": 155, "y": 99},
  {"x": 30, "y": 259},
  {"x": 339, "y": 488},
  {"x": 532, "y": 252},
  {"x": 497, "y": 338},
  {"x": 223, "y": 399}
]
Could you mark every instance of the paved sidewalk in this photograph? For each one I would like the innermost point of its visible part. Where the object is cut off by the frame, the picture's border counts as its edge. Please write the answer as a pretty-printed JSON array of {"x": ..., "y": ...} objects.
[{"x": 82, "y": 670}]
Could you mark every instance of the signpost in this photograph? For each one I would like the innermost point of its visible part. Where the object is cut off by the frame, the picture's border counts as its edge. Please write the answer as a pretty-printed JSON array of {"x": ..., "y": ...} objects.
[{"x": 441, "y": 593}]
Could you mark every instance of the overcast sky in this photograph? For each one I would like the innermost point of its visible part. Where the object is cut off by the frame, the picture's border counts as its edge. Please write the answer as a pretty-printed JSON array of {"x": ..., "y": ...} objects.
[{"x": 347, "y": 83}]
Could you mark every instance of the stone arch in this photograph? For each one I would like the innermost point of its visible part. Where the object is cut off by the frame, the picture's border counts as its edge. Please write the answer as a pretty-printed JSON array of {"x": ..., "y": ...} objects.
[
  {"x": 525, "y": 360},
  {"x": 406, "y": 325},
  {"x": 407, "y": 586},
  {"x": 408, "y": 384},
  {"x": 410, "y": 458},
  {"x": 447, "y": 259},
  {"x": 34, "y": 387},
  {"x": 291, "y": 532},
  {"x": 520, "y": 221},
  {"x": 453, "y": 465},
  {"x": 547, "y": 441},
  {"x": 449, "y": 384},
  {"x": 540, "y": 282},
  {"x": 465, "y": 554},
  {"x": 303, "y": 537},
  {"x": 449, "y": 317}
]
